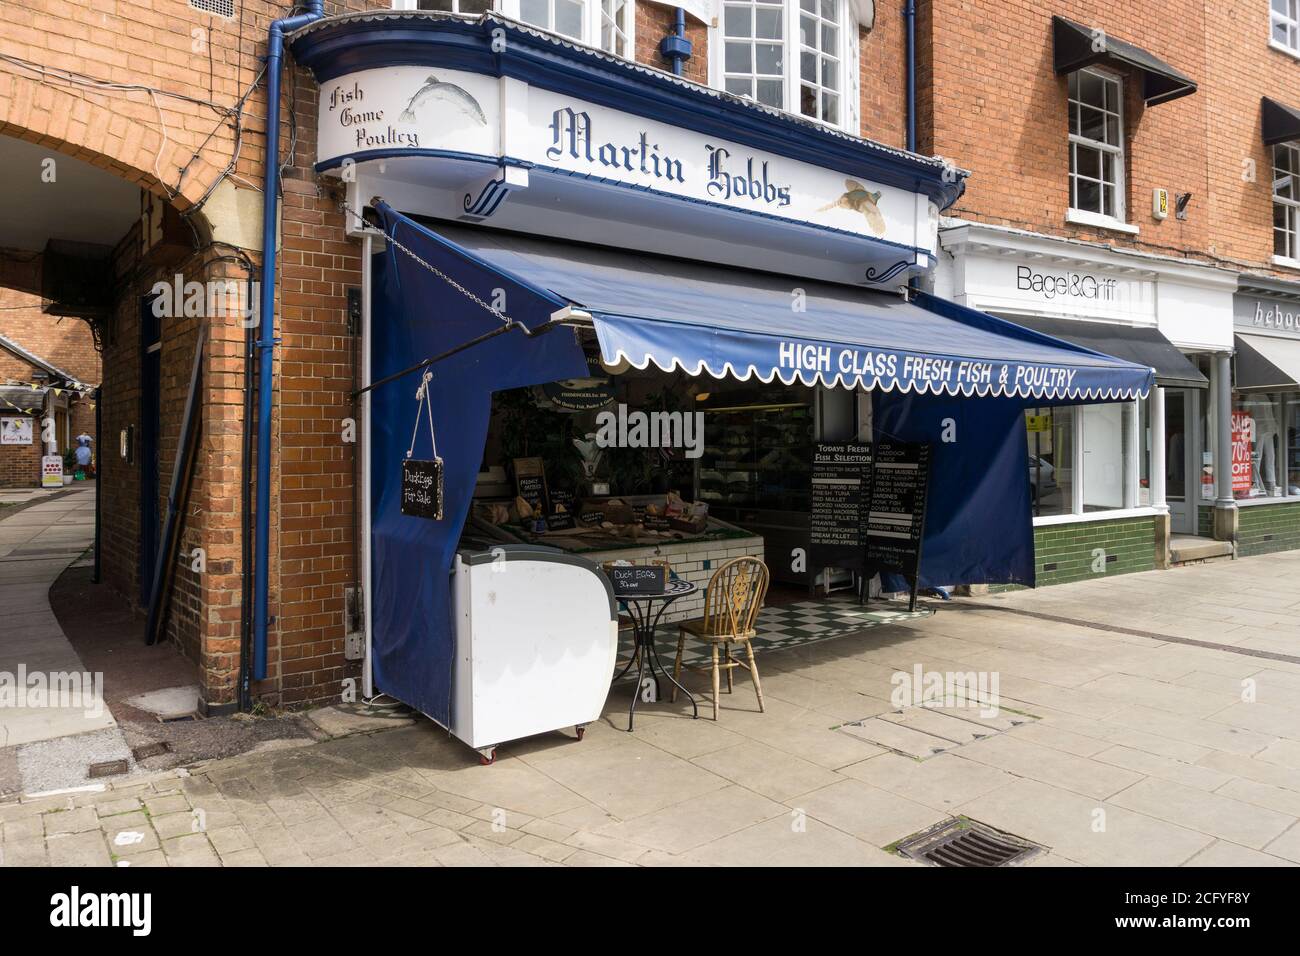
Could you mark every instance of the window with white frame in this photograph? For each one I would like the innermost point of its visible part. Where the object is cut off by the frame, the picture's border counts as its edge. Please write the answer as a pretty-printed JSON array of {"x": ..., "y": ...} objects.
[
  {"x": 762, "y": 40},
  {"x": 616, "y": 27},
  {"x": 1284, "y": 19},
  {"x": 1096, "y": 144},
  {"x": 607, "y": 24},
  {"x": 1286, "y": 200},
  {"x": 448, "y": 6}
]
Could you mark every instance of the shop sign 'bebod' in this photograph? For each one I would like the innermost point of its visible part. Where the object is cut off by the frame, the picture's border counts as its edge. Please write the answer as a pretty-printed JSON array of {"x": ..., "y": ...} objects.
[
  {"x": 1252, "y": 314},
  {"x": 413, "y": 110}
]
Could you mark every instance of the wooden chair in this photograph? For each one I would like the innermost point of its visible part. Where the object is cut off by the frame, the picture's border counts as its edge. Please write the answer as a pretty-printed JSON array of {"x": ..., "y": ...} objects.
[{"x": 731, "y": 604}]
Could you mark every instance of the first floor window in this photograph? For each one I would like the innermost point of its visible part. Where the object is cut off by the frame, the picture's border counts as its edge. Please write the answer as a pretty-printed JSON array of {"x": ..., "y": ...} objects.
[
  {"x": 753, "y": 56},
  {"x": 565, "y": 17},
  {"x": 1096, "y": 144},
  {"x": 1285, "y": 20},
  {"x": 1286, "y": 200},
  {"x": 455, "y": 6},
  {"x": 615, "y": 29},
  {"x": 607, "y": 24},
  {"x": 788, "y": 54},
  {"x": 819, "y": 59}
]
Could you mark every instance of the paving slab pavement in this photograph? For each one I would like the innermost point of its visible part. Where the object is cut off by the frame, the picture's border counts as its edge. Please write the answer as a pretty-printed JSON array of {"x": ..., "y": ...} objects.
[
  {"x": 1107, "y": 748},
  {"x": 36, "y": 545}
]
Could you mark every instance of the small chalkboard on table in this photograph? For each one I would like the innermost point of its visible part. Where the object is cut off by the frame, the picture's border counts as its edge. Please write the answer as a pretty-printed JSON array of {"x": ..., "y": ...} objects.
[{"x": 631, "y": 580}]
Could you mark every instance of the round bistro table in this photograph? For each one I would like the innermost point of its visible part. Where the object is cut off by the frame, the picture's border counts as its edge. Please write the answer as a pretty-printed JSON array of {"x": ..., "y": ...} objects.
[{"x": 645, "y": 610}]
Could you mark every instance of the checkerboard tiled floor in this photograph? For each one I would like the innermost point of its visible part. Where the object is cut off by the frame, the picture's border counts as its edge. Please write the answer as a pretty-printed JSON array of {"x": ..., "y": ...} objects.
[{"x": 803, "y": 622}]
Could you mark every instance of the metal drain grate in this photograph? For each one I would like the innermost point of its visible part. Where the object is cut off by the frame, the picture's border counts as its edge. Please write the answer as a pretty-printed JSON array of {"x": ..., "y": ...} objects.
[
  {"x": 145, "y": 751},
  {"x": 967, "y": 843},
  {"x": 108, "y": 768}
]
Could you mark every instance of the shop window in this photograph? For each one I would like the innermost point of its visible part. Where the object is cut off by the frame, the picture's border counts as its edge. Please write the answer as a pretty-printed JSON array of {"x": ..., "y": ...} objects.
[
  {"x": 761, "y": 41},
  {"x": 1051, "y": 460},
  {"x": 1291, "y": 419},
  {"x": 1285, "y": 24},
  {"x": 1096, "y": 144},
  {"x": 1104, "y": 457},
  {"x": 1082, "y": 459},
  {"x": 1265, "y": 459},
  {"x": 1286, "y": 200}
]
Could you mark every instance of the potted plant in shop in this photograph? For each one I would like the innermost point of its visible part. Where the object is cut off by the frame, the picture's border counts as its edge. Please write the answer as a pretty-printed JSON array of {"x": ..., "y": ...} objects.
[{"x": 69, "y": 466}]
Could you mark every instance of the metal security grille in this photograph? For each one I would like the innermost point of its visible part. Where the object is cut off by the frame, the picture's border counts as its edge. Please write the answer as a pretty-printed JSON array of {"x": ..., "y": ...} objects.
[
  {"x": 217, "y": 8},
  {"x": 965, "y": 843}
]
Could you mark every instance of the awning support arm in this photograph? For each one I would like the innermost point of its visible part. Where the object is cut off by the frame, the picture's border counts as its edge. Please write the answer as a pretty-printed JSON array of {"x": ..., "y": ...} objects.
[{"x": 477, "y": 340}]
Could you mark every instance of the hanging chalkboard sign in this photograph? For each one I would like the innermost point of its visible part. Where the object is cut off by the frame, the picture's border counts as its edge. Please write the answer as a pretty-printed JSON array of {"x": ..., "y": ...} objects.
[
  {"x": 841, "y": 492},
  {"x": 896, "y": 522},
  {"x": 422, "y": 488}
]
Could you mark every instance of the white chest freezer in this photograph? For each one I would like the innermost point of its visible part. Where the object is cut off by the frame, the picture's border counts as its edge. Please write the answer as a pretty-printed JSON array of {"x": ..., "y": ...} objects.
[{"x": 536, "y": 639}]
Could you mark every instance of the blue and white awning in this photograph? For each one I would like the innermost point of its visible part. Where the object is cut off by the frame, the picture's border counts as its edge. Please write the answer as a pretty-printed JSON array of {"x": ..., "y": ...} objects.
[{"x": 724, "y": 322}]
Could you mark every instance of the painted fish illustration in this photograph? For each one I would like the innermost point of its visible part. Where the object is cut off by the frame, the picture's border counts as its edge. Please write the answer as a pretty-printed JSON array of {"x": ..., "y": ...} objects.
[
  {"x": 435, "y": 89},
  {"x": 858, "y": 199}
]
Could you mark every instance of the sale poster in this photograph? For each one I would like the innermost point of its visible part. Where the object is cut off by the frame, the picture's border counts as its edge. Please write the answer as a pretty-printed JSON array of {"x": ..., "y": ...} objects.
[{"x": 1243, "y": 452}]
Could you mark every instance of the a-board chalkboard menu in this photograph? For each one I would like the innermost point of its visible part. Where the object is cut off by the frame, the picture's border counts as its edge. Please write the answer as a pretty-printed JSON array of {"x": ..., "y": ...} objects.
[
  {"x": 637, "y": 578},
  {"x": 422, "y": 488},
  {"x": 841, "y": 492},
  {"x": 897, "y": 516}
]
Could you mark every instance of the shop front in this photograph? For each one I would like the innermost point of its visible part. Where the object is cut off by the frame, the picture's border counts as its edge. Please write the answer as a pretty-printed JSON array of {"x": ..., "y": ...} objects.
[
  {"x": 1266, "y": 415},
  {"x": 1116, "y": 487},
  {"x": 614, "y": 317}
]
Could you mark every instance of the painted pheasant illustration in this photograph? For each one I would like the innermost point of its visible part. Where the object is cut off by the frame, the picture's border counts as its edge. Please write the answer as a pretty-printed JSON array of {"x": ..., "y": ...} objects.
[
  {"x": 435, "y": 89},
  {"x": 858, "y": 199}
]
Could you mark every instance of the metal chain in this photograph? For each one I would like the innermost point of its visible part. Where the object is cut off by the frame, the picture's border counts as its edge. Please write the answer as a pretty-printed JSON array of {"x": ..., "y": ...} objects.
[{"x": 501, "y": 316}]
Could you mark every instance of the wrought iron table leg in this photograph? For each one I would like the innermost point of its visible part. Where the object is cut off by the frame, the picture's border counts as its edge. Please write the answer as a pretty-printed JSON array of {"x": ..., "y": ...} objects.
[{"x": 668, "y": 674}]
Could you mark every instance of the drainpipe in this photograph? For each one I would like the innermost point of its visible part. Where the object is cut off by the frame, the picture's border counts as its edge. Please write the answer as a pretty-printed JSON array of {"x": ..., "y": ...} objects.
[
  {"x": 675, "y": 46},
  {"x": 909, "y": 14},
  {"x": 266, "y": 341}
]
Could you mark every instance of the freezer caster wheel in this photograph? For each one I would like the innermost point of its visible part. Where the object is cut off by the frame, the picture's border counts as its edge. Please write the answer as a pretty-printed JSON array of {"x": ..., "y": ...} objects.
[
  {"x": 487, "y": 755},
  {"x": 580, "y": 730}
]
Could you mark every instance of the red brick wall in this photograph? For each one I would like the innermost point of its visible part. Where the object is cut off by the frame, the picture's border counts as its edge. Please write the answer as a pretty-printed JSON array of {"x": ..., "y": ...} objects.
[
  {"x": 882, "y": 76},
  {"x": 1240, "y": 67},
  {"x": 653, "y": 23},
  {"x": 993, "y": 104},
  {"x": 65, "y": 343},
  {"x": 20, "y": 465}
]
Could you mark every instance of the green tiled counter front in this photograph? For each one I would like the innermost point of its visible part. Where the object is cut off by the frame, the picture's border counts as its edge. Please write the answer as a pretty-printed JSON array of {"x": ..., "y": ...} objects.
[{"x": 1067, "y": 552}]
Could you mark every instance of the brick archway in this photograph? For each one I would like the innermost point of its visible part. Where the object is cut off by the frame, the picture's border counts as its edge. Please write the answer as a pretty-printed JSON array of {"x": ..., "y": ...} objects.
[{"x": 120, "y": 132}]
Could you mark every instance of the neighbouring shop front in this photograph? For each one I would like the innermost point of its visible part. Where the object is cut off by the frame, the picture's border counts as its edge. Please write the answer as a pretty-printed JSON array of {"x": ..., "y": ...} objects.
[
  {"x": 1116, "y": 487},
  {"x": 1266, "y": 415},
  {"x": 651, "y": 307}
]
